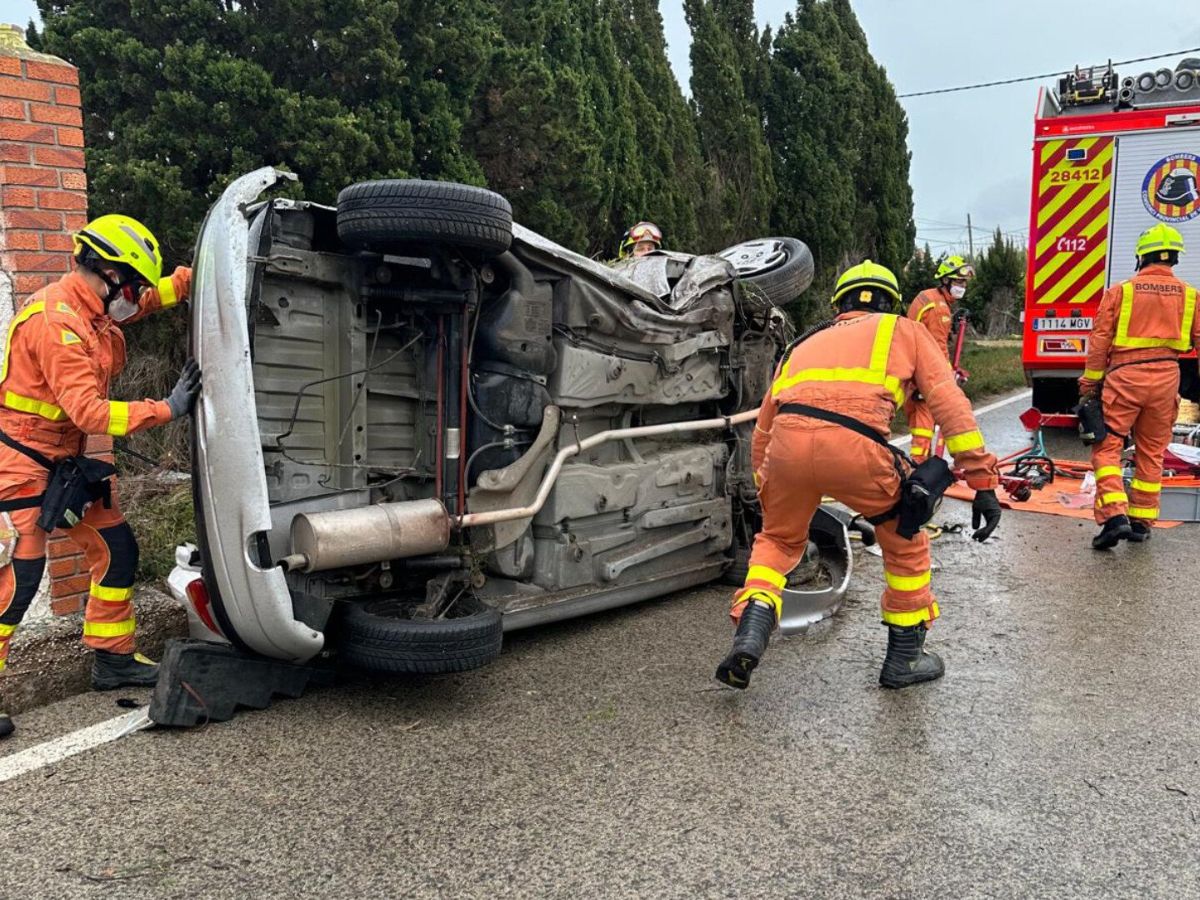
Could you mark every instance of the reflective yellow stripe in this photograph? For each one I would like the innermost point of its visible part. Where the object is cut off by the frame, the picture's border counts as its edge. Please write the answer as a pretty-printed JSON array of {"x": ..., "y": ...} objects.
[
  {"x": 1108, "y": 472},
  {"x": 27, "y": 313},
  {"x": 111, "y": 594},
  {"x": 876, "y": 373},
  {"x": 1138, "y": 513},
  {"x": 961, "y": 443},
  {"x": 3, "y": 663},
  {"x": 918, "y": 451},
  {"x": 922, "y": 432},
  {"x": 908, "y": 619},
  {"x": 1113, "y": 497},
  {"x": 166, "y": 293},
  {"x": 1093, "y": 374},
  {"x": 1181, "y": 343},
  {"x": 1148, "y": 487},
  {"x": 924, "y": 309},
  {"x": 767, "y": 574},
  {"x": 769, "y": 597},
  {"x": 37, "y": 407},
  {"x": 906, "y": 582},
  {"x": 118, "y": 418},
  {"x": 109, "y": 629},
  {"x": 7, "y": 630}
]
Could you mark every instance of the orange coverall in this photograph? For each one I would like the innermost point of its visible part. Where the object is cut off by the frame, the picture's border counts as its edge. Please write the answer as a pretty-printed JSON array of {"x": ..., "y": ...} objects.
[
  {"x": 1149, "y": 321},
  {"x": 863, "y": 367},
  {"x": 61, "y": 356},
  {"x": 932, "y": 309}
]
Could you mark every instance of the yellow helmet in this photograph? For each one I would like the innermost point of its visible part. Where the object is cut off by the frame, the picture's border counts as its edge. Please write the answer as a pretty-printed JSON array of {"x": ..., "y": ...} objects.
[
  {"x": 1159, "y": 239},
  {"x": 876, "y": 286},
  {"x": 123, "y": 241},
  {"x": 954, "y": 267}
]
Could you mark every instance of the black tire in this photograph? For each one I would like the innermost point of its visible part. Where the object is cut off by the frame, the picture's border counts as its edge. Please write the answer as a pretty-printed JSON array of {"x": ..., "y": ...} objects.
[
  {"x": 376, "y": 638},
  {"x": 735, "y": 574},
  {"x": 379, "y": 215},
  {"x": 780, "y": 267}
]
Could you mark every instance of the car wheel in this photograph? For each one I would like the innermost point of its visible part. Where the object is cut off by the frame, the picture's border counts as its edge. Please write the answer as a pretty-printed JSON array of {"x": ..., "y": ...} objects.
[
  {"x": 379, "y": 636},
  {"x": 780, "y": 267},
  {"x": 378, "y": 215},
  {"x": 739, "y": 568}
]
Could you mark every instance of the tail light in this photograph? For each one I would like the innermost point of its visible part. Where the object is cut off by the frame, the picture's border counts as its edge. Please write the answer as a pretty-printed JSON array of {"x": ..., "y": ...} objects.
[{"x": 197, "y": 592}]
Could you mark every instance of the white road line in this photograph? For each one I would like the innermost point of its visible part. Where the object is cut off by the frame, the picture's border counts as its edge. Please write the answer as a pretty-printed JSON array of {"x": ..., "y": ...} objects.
[
  {"x": 33, "y": 758},
  {"x": 983, "y": 410}
]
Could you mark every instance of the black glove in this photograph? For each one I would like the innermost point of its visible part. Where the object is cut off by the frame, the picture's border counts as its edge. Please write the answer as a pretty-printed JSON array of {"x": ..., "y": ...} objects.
[
  {"x": 183, "y": 395},
  {"x": 986, "y": 509}
]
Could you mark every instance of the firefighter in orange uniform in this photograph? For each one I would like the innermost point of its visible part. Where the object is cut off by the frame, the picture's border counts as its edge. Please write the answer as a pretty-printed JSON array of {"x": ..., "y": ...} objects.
[
  {"x": 932, "y": 308},
  {"x": 1141, "y": 328},
  {"x": 862, "y": 367},
  {"x": 64, "y": 349}
]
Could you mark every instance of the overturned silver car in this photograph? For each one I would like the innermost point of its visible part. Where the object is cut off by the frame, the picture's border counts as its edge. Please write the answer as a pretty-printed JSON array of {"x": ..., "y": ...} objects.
[{"x": 423, "y": 425}]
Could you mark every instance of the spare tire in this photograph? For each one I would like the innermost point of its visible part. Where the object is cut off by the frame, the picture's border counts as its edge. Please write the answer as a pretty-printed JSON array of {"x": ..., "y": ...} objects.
[
  {"x": 379, "y": 215},
  {"x": 379, "y": 637},
  {"x": 780, "y": 267}
]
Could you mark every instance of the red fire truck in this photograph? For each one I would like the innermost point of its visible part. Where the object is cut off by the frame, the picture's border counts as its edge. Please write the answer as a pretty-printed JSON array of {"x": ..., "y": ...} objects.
[{"x": 1110, "y": 158}]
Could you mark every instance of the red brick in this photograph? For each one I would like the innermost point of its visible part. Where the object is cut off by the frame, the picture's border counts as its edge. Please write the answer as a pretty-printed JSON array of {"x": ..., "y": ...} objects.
[
  {"x": 38, "y": 262},
  {"x": 33, "y": 134},
  {"x": 58, "y": 243},
  {"x": 58, "y": 115},
  {"x": 25, "y": 90},
  {"x": 64, "y": 568},
  {"x": 67, "y": 96},
  {"x": 18, "y": 196},
  {"x": 39, "y": 177},
  {"x": 68, "y": 606},
  {"x": 24, "y": 285},
  {"x": 10, "y": 65},
  {"x": 48, "y": 199},
  {"x": 74, "y": 222},
  {"x": 74, "y": 181},
  {"x": 14, "y": 153},
  {"x": 70, "y": 137},
  {"x": 21, "y": 240},
  {"x": 61, "y": 73},
  {"x": 58, "y": 156},
  {"x": 65, "y": 587},
  {"x": 28, "y": 218},
  {"x": 13, "y": 109},
  {"x": 62, "y": 546}
]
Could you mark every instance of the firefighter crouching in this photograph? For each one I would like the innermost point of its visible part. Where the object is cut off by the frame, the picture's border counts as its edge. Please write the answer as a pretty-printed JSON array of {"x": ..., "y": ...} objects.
[
  {"x": 64, "y": 349},
  {"x": 933, "y": 309},
  {"x": 861, "y": 367},
  {"x": 1141, "y": 328}
]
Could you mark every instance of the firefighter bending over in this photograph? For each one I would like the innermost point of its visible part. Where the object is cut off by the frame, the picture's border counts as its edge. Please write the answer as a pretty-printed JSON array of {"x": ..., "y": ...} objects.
[
  {"x": 1141, "y": 328},
  {"x": 863, "y": 366},
  {"x": 932, "y": 308},
  {"x": 64, "y": 349}
]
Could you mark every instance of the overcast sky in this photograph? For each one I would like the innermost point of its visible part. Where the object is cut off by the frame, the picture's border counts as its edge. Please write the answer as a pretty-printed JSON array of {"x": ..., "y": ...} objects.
[{"x": 971, "y": 150}]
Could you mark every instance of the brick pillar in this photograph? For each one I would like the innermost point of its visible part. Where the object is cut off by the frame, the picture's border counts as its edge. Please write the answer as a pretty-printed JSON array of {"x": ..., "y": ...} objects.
[{"x": 43, "y": 198}]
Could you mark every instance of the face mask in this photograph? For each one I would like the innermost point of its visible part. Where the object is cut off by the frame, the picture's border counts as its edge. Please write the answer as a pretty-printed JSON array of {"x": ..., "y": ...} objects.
[
  {"x": 122, "y": 310},
  {"x": 958, "y": 291},
  {"x": 121, "y": 304}
]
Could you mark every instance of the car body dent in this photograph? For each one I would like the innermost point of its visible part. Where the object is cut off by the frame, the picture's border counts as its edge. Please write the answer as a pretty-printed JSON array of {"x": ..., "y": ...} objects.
[{"x": 230, "y": 481}]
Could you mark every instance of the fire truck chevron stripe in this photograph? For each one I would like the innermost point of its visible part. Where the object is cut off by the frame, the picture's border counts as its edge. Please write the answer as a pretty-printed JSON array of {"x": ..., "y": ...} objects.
[
  {"x": 1053, "y": 196},
  {"x": 1079, "y": 278},
  {"x": 1050, "y": 260}
]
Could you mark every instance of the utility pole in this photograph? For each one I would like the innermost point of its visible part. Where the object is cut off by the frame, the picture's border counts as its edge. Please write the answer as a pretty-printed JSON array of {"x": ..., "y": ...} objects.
[{"x": 970, "y": 239}]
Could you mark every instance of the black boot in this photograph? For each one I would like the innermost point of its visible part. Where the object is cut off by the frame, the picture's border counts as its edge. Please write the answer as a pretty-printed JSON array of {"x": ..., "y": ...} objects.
[
  {"x": 1139, "y": 533},
  {"x": 114, "y": 670},
  {"x": 6, "y": 726},
  {"x": 907, "y": 661},
  {"x": 1114, "y": 531},
  {"x": 749, "y": 644}
]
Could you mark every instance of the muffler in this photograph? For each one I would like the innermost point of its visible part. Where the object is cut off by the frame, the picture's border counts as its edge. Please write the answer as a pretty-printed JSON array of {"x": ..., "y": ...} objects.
[{"x": 369, "y": 534}]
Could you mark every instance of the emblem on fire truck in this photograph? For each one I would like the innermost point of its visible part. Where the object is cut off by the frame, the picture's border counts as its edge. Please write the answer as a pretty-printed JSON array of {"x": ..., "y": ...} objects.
[{"x": 1171, "y": 189}]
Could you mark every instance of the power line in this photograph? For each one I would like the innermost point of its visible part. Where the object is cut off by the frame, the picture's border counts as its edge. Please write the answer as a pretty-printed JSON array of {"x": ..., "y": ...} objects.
[{"x": 985, "y": 84}]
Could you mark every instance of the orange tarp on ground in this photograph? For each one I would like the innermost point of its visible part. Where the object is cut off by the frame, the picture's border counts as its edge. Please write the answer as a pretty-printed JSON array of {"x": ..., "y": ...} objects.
[{"x": 1062, "y": 497}]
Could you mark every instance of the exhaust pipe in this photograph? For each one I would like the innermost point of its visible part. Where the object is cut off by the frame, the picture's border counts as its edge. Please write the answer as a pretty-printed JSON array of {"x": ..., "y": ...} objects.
[{"x": 369, "y": 534}]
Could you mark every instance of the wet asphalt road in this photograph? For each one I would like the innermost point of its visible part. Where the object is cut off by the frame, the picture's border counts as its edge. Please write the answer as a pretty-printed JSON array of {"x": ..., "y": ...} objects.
[{"x": 1059, "y": 757}]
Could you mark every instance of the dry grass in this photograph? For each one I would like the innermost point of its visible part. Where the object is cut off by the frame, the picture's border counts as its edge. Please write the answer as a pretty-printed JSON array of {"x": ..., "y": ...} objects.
[{"x": 158, "y": 507}]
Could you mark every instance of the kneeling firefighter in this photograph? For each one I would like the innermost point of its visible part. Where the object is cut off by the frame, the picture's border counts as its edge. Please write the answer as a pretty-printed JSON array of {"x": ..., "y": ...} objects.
[
  {"x": 822, "y": 430},
  {"x": 64, "y": 349},
  {"x": 1140, "y": 330}
]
